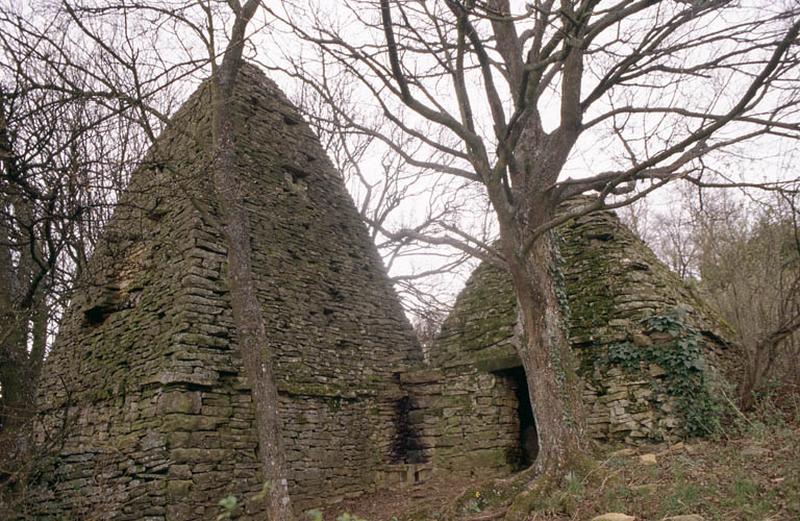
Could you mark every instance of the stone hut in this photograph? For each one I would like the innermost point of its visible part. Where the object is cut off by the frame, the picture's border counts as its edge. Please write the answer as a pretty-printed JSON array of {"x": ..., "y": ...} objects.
[
  {"x": 144, "y": 391},
  {"x": 145, "y": 380},
  {"x": 650, "y": 353}
]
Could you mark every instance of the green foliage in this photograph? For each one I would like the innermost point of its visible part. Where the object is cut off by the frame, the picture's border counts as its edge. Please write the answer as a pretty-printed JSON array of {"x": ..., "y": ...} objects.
[
  {"x": 472, "y": 506},
  {"x": 571, "y": 494},
  {"x": 349, "y": 517},
  {"x": 314, "y": 515},
  {"x": 262, "y": 494},
  {"x": 683, "y": 494},
  {"x": 228, "y": 505},
  {"x": 685, "y": 379},
  {"x": 482, "y": 499},
  {"x": 559, "y": 281}
]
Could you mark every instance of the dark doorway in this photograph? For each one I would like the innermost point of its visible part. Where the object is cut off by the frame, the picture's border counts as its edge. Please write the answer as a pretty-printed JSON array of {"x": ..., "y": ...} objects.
[
  {"x": 528, "y": 438},
  {"x": 406, "y": 446}
]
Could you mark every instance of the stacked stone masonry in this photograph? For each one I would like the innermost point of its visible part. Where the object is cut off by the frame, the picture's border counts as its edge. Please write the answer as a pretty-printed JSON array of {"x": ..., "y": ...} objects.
[
  {"x": 614, "y": 285},
  {"x": 146, "y": 380},
  {"x": 146, "y": 384}
]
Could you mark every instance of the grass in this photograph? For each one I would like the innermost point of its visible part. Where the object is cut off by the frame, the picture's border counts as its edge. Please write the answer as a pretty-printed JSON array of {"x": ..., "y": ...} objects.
[
  {"x": 753, "y": 476},
  {"x": 752, "y": 473},
  {"x": 748, "y": 477}
]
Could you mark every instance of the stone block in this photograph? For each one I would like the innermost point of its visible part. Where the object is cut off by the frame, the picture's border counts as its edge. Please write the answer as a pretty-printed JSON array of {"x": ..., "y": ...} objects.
[
  {"x": 180, "y": 401},
  {"x": 193, "y": 456},
  {"x": 178, "y": 488}
]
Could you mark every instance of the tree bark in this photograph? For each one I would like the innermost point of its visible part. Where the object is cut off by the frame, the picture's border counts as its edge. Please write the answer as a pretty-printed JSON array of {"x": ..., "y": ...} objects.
[
  {"x": 247, "y": 314},
  {"x": 550, "y": 364},
  {"x": 544, "y": 349},
  {"x": 252, "y": 339},
  {"x": 17, "y": 399},
  {"x": 17, "y": 375}
]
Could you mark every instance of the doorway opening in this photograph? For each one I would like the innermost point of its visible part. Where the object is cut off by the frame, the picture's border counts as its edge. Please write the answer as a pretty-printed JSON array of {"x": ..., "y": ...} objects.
[
  {"x": 528, "y": 440},
  {"x": 406, "y": 446}
]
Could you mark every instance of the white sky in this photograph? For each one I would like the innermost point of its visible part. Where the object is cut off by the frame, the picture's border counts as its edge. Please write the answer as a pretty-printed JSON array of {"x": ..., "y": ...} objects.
[{"x": 597, "y": 150}]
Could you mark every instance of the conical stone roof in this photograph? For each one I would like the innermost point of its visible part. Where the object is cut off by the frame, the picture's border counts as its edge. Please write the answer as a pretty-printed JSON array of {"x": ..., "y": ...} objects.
[
  {"x": 145, "y": 383},
  {"x": 634, "y": 324}
]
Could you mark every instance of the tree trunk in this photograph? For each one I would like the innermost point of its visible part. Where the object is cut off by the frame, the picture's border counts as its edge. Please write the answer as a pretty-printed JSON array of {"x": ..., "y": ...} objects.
[
  {"x": 17, "y": 399},
  {"x": 40, "y": 319},
  {"x": 19, "y": 368},
  {"x": 16, "y": 386},
  {"x": 550, "y": 365},
  {"x": 247, "y": 314}
]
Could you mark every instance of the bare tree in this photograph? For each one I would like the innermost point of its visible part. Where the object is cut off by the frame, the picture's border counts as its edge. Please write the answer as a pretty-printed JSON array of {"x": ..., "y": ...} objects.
[
  {"x": 24, "y": 267},
  {"x": 740, "y": 248},
  {"x": 422, "y": 273},
  {"x": 748, "y": 259},
  {"x": 107, "y": 55},
  {"x": 247, "y": 314},
  {"x": 673, "y": 238},
  {"x": 494, "y": 98},
  {"x": 63, "y": 159},
  {"x": 503, "y": 96},
  {"x": 223, "y": 34}
]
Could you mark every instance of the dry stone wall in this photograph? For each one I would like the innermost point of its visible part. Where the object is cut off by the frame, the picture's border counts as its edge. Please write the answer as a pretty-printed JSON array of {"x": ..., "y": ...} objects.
[
  {"x": 145, "y": 390},
  {"x": 145, "y": 381},
  {"x": 467, "y": 420},
  {"x": 628, "y": 314}
]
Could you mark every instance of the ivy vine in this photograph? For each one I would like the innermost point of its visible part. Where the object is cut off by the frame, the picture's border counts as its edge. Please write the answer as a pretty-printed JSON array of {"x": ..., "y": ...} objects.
[{"x": 685, "y": 377}]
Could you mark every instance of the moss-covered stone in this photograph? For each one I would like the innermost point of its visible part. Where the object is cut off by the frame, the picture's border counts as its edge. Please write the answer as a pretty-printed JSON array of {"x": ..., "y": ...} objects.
[
  {"x": 614, "y": 288},
  {"x": 147, "y": 361}
]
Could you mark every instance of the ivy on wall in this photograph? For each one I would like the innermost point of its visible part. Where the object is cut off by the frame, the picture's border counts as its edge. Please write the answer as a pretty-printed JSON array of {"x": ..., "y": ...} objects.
[{"x": 677, "y": 351}]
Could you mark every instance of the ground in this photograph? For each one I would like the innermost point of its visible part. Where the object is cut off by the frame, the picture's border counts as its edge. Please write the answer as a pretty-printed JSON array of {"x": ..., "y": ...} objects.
[{"x": 751, "y": 475}]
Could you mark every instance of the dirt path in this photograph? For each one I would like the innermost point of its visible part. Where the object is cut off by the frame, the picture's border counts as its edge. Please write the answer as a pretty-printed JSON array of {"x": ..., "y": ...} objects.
[{"x": 420, "y": 501}]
